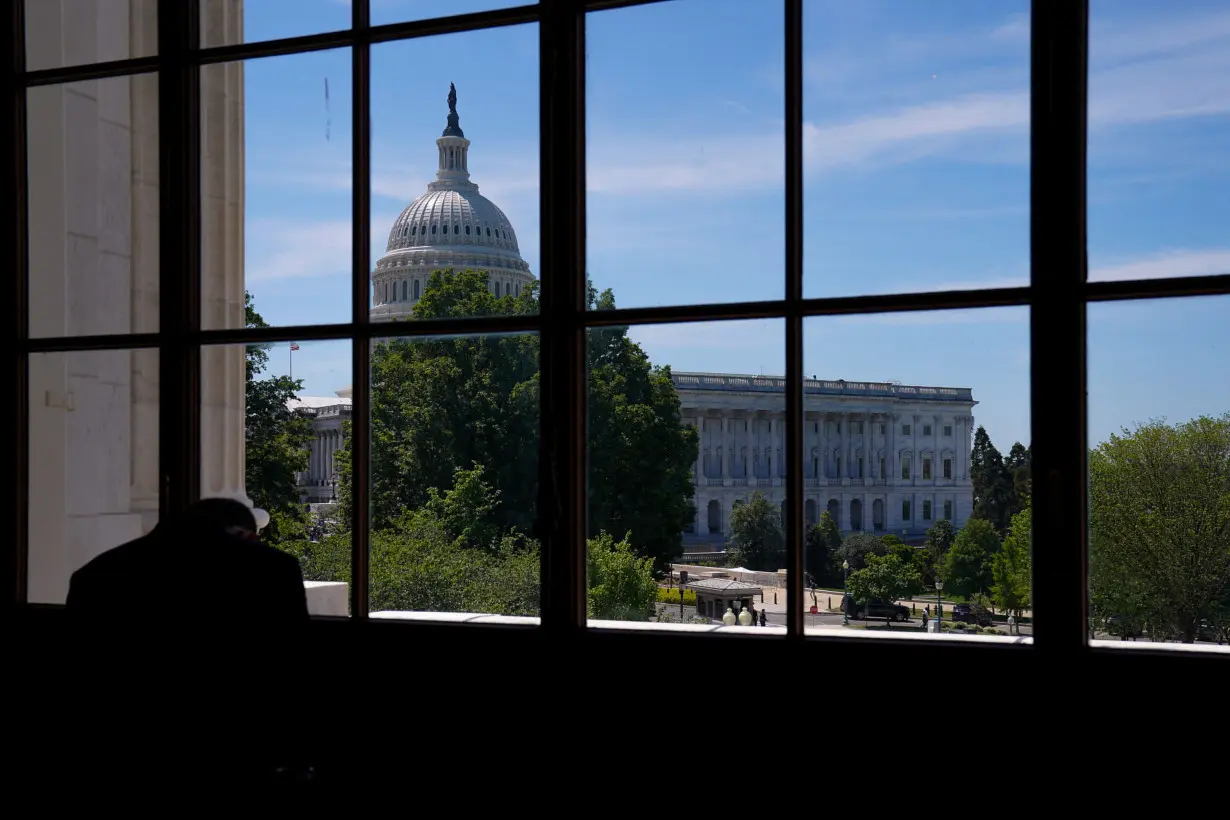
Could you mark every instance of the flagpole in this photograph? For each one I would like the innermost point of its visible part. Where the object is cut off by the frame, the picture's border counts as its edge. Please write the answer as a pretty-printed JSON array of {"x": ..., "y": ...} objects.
[{"x": 292, "y": 361}]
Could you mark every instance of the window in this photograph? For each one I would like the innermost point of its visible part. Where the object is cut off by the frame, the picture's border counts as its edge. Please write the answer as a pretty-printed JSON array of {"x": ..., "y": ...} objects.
[
  {"x": 883, "y": 472},
  {"x": 905, "y": 511},
  {"x": 216, "y": 264},
  {"x": 926, "y": 429},
  {"x": 947, "y": 510},
  {"x": 860, "y": 467},
  {"x": 926, "y": 510},
  {"x": 926, "y": 469},
  {"x": 947, "y": 431},
  {"x": 839, "y": 466},
  {"x": 881, "y": 430}
]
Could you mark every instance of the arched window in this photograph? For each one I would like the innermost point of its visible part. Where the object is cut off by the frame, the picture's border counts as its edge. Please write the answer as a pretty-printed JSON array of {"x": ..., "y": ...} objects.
[
  {"x": 416, "y": 290},
  {"x": 456, "y": 229},
  {"x": 413, "y": 229},
  {"x": 423, "y": 230},
  {"x": 404, "y": 291},
  {"x": 433, "y": 228},
  {"x": 488, "y": 233},
  {"x": 467, "y": 230}
]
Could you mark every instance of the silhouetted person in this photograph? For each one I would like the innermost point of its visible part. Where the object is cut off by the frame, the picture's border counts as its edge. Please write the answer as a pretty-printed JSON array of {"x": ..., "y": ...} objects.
[
  {"x": 206, "y": 571},
  {"x": 763, "y": 620},
  {"x": 190, "y": 648}
]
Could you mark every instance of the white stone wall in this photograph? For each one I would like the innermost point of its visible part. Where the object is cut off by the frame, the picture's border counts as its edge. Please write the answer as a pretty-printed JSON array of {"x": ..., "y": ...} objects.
[{"x": 94, "y": 263}]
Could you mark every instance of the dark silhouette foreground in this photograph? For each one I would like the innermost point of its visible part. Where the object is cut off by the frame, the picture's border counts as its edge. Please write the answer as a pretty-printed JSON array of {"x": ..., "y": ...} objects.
[{"x": 189, "y": 646}]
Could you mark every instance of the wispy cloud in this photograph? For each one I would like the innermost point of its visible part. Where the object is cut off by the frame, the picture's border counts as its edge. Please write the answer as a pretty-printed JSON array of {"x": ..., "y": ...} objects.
[
  {"x": 1178, "y": 71},
  {"x": 288, "y": 249},
  {"x": 1166, "y": 265}
]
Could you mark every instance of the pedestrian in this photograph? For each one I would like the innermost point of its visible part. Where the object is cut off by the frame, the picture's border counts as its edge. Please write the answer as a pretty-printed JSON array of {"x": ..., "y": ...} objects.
[{"x": 763, "y": 620}]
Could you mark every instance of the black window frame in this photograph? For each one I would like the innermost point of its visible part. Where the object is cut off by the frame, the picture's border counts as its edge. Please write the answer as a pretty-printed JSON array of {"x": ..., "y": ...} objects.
[{"x": 1057, "y": 297}]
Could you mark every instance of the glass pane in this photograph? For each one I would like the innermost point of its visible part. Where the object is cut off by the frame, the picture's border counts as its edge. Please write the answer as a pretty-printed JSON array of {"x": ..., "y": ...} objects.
[
  {"x": 923, "y": 471},
  {"x": 61, "y": 34},
  {"x": 686, "y": 473},
  {"x": 400, "y": 11},
  {"x": 454, "y": 476},
  {"x": 428, "y": 213},
  {"x": 93, "y": 189},
  {"x": 93, "y": 460},
  {"x": 227, "y": 22},
  {"x": 276, "y": 188},
  {"x": 916, "y": 130},
  {"x": 1159, "y": 470},
  {"x": 1159, "y": 125},
  {"x": 685, "y": 152},
  {"x": 273, "y": 446}
]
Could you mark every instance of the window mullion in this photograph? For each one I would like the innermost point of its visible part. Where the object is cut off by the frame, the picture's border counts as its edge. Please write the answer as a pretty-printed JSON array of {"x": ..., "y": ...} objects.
[
  {"x": 794, "y": 316},
  {"x": 179, "y": 198},
  {"x": 1058, "y": 406},
  {"x": 360, "y": 299},
  {"x": 562, "y": 458}
]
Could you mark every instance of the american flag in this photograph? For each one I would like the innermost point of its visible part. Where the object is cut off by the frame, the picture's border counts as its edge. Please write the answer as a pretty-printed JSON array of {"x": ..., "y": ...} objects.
[{"x": 294, "y": 346}]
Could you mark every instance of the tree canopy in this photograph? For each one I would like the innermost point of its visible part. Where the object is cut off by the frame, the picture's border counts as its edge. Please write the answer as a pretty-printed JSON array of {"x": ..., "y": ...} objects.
[
  {"x": 430, "y": 559},
  {"x": 857, "y": 546},
  {"x": 439, "y": 404},
  {"x": 757, "y": 540},
  {"x": 967, "y": 566},
  {"x": 275, "y": 438},
  {"x": 1160, "y": 525},
  {"x": 886, "y": 577},
  {"x": 1000, "y": 486},
  {"x": 1012, "y": 566}
]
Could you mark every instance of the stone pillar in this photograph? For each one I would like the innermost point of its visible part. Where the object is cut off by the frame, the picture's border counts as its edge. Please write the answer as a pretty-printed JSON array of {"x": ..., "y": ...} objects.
[
  {"x": 727, "y": 448},
  {"x": 699, "y": 422},
  {"x": 222, "y": 255},
  {"x": 93, "y": 233}
]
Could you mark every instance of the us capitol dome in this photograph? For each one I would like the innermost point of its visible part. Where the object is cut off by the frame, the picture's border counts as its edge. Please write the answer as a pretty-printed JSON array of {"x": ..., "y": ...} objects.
[{"x": 450, "y": 226}]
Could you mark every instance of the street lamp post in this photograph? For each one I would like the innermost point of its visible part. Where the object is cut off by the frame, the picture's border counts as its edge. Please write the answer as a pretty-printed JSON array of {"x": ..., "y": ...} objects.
[
  {"x": 845, "y": 596},
  {"x": 939, "y": 585},
  {"x": 333, "y": 487}
]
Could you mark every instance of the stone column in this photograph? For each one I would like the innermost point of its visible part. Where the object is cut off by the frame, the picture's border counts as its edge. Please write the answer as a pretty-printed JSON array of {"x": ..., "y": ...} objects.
[
  {"x": 727, "y": 448},
  {"x": 915, "y": 455},
  {"x": 699, "y": 423},
  {"x": 222, "y": 256}
]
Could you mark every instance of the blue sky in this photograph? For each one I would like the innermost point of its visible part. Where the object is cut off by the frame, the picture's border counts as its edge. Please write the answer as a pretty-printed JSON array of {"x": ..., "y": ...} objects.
[{"x": 917, "y": 178}]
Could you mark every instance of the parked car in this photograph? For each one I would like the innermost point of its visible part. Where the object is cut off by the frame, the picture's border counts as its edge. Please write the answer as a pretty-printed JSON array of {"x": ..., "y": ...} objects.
[
  {"x": 966, "y": 613},
  {"x": 875, "y": 608}
]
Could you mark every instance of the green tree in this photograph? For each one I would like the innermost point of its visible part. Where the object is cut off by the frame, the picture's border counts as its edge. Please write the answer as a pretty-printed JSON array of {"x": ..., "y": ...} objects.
[
  {"x": 967, "y": 567},
  {"x": 857, "y": 546},
  {"x": 447, "y": 403},
  {"x": 275, "y": 439},
  {"x": 1018, "y": 464},
  {"x": 886, "y": 578},
  {"x": 757, "y": 540},
  {"x": 935, "y": 549},
  {"x": 621, "y": 585},
  {"x": 1160, "y": 525},
  {"x": 1012, "y": 566},
  {"x": 993, "y": 492}
]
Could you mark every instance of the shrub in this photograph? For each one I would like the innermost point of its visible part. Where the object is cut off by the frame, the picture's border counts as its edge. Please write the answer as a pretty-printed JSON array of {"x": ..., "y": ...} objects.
[
  {"x": 990, "y": 630},
  {"x": 671, "y": 596}
]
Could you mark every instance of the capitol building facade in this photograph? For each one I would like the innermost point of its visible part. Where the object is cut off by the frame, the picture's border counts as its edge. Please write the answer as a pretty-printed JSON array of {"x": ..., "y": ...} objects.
[{"x": 883, "y": 457}]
